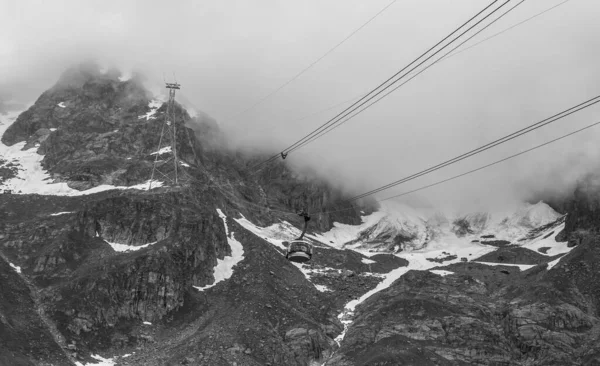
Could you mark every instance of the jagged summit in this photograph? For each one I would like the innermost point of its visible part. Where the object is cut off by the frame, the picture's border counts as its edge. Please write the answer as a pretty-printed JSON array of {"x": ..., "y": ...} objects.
[
  {"x": 92, "y": 129},
  {"x": 533, "y": 215}
]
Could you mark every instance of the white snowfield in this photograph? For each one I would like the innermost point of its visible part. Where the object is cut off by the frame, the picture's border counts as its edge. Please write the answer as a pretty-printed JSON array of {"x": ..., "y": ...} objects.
[
  {"x": 275, "y": 234},
  {"x": 224, "y": 268},
  {"x": 32, "y": 178},
  {"x": 103, "y": 362},
  {"x": 127, "y": 248},
  {"x": 62, "y": 105},
  {"x": 549, "y": 242},
  {"x": 522, "y": 267},
  {"x": 153, "y": 105},
  {"x": 423, "y": 228}
]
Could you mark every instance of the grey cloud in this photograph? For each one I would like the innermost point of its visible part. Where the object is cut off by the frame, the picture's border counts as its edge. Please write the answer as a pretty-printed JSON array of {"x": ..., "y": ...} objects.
[{"x": 228, "y": 54}]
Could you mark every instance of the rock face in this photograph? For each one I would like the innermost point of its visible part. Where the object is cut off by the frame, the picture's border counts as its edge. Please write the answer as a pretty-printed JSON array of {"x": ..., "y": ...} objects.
[
  {"x": 284, "y": 188},
  {"x": 94, "y": 129},
  {"x": 24, "y": 337},
  {"x": 426, "y": 319}
]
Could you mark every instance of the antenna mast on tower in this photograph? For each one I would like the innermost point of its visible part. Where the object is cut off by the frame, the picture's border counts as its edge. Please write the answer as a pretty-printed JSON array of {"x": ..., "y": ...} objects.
[{"x": 167, "y": 144}]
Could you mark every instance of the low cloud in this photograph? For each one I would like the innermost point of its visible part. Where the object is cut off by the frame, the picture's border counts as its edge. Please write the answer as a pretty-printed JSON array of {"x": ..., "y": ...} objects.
[{"x": 229, "y": 54}]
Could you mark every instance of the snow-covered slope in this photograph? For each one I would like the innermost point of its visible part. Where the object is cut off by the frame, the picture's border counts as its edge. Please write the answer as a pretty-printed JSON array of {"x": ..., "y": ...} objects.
[
  {"x": 394, "y": 227},
  {"x": 31, "y": 177},
  {"x": 397, "y": 227},
  {"x": 224, "y": 268},
  {"x": 427, "y": 242}
]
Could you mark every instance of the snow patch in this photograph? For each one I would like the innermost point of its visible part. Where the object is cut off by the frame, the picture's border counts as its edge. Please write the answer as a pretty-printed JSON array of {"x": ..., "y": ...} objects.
[
  {"x": 61, "y": 213},
  {"x": 368, "y": 261},
  {"x": 554, "y": 263},
  {"x": 275, "y": 234},
  {"x": 522, "y": 267},
  {"x": 62, "y": 105},
  {"x": 53, "y": 129},
  {"x": 323, "y": 288},
  {"x": 346, "y": 319},
  {"x": 32, "y": 178},
  {"x": 147, "y": 323},
  {"x": 308, "y": 272},
  {"x": 441, "y": 272},
  {"x": 224, "y": 268},
  {"x": 103, "y": 362},
  {"x": 127, "y": 248},
  {"x": 16, "y": 268},
  {"x": 549, "y": 242},
  {"x": 184, "y": 164},
  {"x": 153, "y": 105}
]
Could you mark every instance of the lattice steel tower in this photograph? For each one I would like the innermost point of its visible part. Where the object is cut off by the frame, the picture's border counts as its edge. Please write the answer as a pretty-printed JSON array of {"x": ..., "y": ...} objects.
[{"x": 166, "y": 162}]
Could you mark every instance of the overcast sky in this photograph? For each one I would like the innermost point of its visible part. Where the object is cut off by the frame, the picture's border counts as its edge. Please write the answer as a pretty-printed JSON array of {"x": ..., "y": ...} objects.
[{"x": 229, "y": 54}]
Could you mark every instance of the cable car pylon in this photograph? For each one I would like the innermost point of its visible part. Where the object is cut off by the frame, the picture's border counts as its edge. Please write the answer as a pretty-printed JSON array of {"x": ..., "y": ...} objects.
[{"x": 166, "y": 162}]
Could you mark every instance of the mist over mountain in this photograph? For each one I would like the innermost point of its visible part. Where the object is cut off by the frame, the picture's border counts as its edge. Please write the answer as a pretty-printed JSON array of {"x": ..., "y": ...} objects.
[{"x": 227, "y": 63}]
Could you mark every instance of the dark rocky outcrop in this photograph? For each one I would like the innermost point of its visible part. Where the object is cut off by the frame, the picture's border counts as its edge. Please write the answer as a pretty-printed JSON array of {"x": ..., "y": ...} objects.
[
  {"x": 24, "y": 337},
  {"x": 88, "y": 128}
]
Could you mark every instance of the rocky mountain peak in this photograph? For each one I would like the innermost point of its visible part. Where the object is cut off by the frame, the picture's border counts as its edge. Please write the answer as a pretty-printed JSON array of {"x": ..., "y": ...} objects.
[{"x": 94, "y": 129}]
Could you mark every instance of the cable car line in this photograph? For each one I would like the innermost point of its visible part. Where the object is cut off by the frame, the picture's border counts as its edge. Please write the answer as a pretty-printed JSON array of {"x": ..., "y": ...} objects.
[
  {"x": 497, "y": 142},
  {"x": 313, "y": 63},
  {"x": 334, "y": 126},
  {"x": 473, "y": 170},
  {"x": 494, "y": 163},
  {"x": 325, "y": 125},
  {"x": 443, "y": 59},
  {"x": 487, "y": 146},
  {"x": 507, "y": 29},
  {"x": 393, "y": 76}
]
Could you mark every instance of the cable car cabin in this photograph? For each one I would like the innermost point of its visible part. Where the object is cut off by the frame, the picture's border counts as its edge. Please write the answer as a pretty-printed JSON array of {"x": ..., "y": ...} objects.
[{"x": 299, "y": 251}]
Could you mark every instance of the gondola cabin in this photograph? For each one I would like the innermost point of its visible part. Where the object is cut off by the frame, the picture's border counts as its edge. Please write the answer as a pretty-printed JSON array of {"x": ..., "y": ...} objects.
[{"x": 299, "y": 251}]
